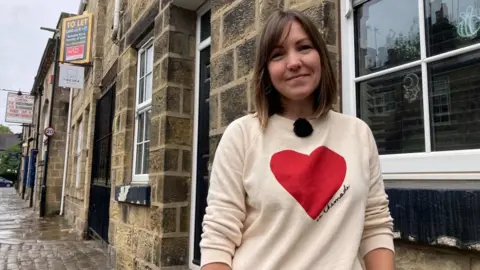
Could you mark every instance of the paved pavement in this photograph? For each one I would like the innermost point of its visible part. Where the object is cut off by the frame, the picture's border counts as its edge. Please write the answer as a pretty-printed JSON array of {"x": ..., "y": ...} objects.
[{"x": 28, "y": 242}]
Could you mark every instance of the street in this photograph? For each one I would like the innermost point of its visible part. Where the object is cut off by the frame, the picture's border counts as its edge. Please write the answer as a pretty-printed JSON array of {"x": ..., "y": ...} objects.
[{"x": 28, "y": 242}]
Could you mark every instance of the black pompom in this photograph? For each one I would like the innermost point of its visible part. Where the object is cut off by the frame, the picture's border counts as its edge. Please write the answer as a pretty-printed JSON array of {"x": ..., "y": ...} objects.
[{"x": 302, "y": 128}]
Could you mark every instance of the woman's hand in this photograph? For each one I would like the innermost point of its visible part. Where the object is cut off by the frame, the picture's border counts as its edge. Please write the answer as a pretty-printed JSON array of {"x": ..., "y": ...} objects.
[
  {"x": 379, "y": 259},
  {"x": 216, "y": 266}
]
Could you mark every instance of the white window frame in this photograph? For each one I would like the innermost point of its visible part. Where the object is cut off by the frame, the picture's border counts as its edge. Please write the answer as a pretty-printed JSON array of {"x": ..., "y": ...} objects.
[
  {"x": 141, "y": 108},
  {"x": 199, "y": 46},
  {"x": 78, "y": 153},
  {"x": 461, "y": 164}
]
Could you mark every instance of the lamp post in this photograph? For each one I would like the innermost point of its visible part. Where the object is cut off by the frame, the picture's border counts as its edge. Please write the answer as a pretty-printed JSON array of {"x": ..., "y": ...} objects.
[{"x": 43, "y": 191}]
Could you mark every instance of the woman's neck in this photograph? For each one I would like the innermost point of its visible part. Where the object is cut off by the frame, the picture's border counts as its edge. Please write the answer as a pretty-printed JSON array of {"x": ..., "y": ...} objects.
[{"x": 297, "y": 109}]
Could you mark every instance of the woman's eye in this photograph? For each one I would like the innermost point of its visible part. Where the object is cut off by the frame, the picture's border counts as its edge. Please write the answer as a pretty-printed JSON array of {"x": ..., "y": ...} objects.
[
  {"x": 276, "y": 56},
  {"x": 305, "y": 47}
]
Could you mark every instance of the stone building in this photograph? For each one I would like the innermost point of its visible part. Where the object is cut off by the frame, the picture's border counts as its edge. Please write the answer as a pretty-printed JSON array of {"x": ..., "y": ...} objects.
[
  {"x": 167, "y": 77},
  {"x": 50, "y": 110}
]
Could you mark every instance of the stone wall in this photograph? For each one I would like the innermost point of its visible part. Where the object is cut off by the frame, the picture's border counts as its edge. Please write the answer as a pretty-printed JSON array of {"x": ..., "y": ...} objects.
[
  {"x": 418, "y": 257},
  {"x": 84, "y": 109},
  {"x": 155, "y": 236}
]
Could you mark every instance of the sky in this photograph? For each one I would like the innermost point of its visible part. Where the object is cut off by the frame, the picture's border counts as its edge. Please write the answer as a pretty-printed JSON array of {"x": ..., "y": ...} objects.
[{"x": 22, "y": 42}]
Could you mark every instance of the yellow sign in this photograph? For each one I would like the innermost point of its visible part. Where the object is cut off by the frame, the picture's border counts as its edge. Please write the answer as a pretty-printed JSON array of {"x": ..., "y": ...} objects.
[{"x": 76, "y": 40}]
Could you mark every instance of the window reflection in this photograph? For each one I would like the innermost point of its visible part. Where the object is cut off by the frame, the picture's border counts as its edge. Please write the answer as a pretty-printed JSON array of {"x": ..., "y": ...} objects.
[
  {"x": 393, "y": 108},
  {"x": 386, "y": 34},
  {"x": 452, "y": 24},
  {"x": 455, "y": 103}
]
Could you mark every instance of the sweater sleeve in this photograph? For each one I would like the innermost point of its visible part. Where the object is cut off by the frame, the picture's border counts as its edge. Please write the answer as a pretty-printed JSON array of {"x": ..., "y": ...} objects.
[
  {"x": 378, "y": 227},
  {"x": 225, "y": 213}
]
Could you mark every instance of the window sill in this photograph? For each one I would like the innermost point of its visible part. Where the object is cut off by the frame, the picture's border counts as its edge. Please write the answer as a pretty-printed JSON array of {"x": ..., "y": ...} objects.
[{"x": 133, "y": 194}]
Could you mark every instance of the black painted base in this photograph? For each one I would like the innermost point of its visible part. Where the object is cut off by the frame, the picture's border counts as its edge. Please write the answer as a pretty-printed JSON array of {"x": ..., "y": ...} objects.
[{"x": 437, "y": 217}]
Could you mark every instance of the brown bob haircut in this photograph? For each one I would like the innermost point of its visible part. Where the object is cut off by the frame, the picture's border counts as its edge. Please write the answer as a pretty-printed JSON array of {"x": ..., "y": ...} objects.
[{"x": 267, "y": 98}]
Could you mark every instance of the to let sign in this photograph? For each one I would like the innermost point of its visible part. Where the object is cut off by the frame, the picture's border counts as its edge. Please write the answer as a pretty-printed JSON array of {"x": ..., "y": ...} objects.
[
  {"x": 76, "y": 39},
  {"x": 19, "y": 109}
]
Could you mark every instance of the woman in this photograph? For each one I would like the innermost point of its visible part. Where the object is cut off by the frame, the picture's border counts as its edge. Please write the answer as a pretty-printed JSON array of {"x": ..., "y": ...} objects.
[{"x": 297, "y": 185}]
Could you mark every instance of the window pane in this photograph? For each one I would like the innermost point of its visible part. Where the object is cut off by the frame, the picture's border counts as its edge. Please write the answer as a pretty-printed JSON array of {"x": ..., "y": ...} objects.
[
  {"x": 147, "y": 126},
  {"x": 138, "y": 159},
  {"x": 146, "y": 155},
  {"x": 455, "y": 103},
  {"x": 141, "y": 127},
  {"x": 205, "y": 26},
  {"x": 141, "y": 91},
  {"x": 386, "y": 34},
  {"x": 148, "y": 86},
  {"x": 142, "y": 64},
  {"x": 149, "y": 60},
  {"x": 392, "y": 106},
  {"x": 451, "y": 24}
]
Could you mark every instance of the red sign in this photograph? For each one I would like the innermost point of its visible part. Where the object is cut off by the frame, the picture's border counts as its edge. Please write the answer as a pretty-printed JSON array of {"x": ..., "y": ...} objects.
[{"x": 74, "y": 52}]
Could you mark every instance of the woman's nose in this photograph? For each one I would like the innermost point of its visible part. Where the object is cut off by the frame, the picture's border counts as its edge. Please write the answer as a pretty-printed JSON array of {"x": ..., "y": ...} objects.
[{"x": 293, "y": 62}]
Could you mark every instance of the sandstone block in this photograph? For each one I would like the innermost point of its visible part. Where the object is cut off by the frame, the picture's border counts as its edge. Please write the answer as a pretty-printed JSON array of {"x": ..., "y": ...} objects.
[
  {"x": 181, "y": 71},
  {"x": 184, "y": 219},
  {"x": 238, "y": 22},
  {"x": 215, "y": 36},
  {"x": 171, "y": 159},
  {"x": 174, "y": 251},
  {"x": 213, "y": 112},
  {"x": 187, "y": 161},
  {"x": 123, "y": 236},
  {"x": 222, "y": 69},
  {"x": 267, "y": 7},
  {"x": 178, "y": 130},
  {"x": 219, "y": 5},
  {"x": 182, "y": 20},
  {"x": 158, "y": 24},
  {"x": 143, "y": 244},
  {"x": 233, "y": 103},
  {"x": 187, "y": 106},
  {"x": 169, "y": 222},
  {"x": 246, "y": 57},
  {"x": 173, "y": 189},
  {"x": 161, "y": 46}
]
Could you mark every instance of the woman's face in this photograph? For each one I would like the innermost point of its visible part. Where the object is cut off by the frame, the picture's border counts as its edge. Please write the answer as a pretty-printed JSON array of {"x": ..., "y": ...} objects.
[{"x": 294, "y": 65}]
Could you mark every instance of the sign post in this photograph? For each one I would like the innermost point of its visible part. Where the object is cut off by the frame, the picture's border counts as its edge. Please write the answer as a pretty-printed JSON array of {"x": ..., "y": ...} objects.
[{"x": 19, "y": 108}]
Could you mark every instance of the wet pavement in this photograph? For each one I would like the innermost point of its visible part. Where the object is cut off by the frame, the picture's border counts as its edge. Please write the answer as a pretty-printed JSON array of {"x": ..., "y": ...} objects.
[{"x": 28, "y": 242}]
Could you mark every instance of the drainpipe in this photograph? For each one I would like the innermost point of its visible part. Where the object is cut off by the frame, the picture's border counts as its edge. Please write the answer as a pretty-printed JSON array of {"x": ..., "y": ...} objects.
[
  {"x": 116, "y": 20},
  {"x": 65, "y": 165}
]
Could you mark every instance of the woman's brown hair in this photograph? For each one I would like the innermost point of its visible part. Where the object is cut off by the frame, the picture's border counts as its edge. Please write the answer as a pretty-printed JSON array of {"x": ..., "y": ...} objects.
[{"x": 267, "y": 98}]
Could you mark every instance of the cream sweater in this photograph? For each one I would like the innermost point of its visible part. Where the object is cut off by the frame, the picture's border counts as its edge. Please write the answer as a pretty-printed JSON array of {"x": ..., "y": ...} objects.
[{"x": 277, "y": 201}]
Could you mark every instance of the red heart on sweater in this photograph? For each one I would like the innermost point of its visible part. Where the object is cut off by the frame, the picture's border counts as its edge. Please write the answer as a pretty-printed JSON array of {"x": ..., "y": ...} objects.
[{"x": 311, "y": 179}]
